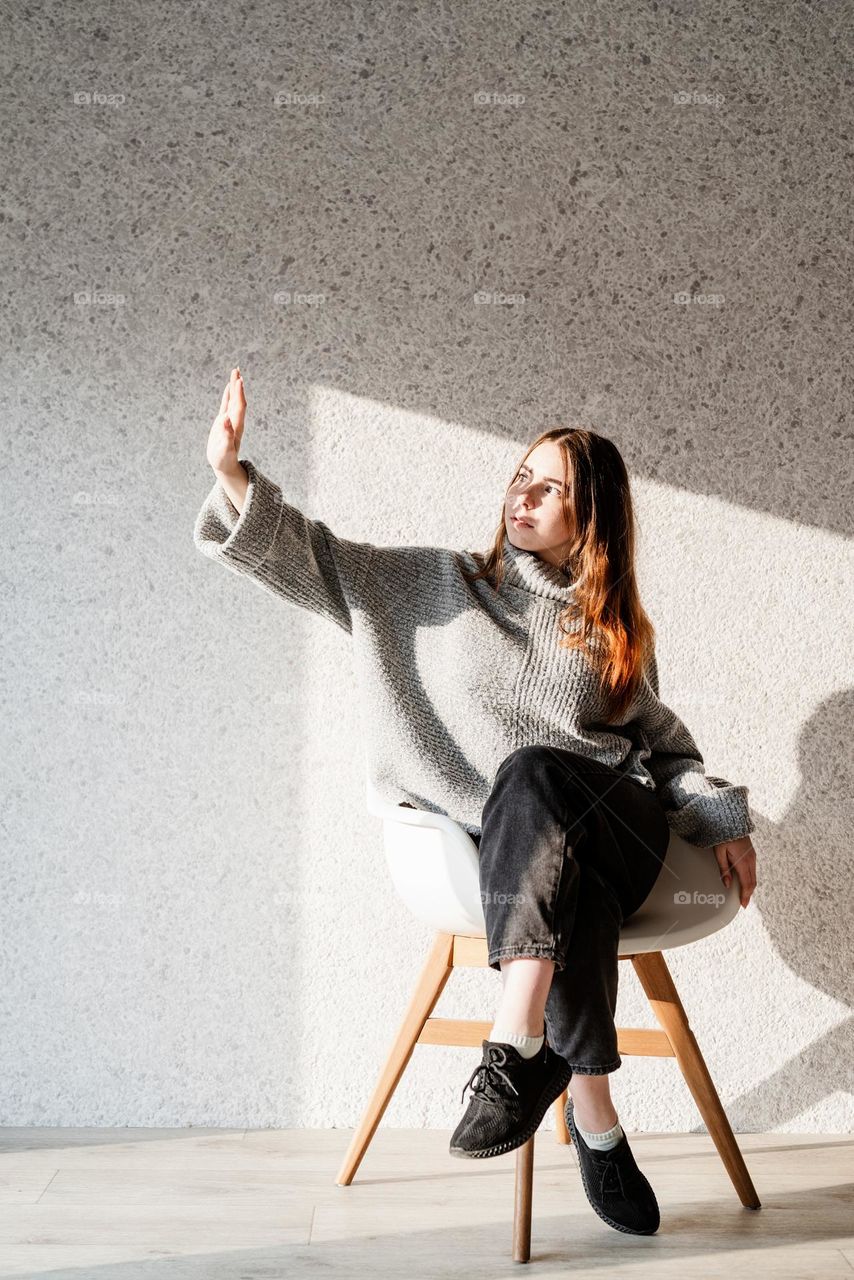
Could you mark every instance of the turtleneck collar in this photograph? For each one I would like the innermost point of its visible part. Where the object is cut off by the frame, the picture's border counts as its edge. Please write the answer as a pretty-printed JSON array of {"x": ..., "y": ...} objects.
[{"x": 527, "y": 570}]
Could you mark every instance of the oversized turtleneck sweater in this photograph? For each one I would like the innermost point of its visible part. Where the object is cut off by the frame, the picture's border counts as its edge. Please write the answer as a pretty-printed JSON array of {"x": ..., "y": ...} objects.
[{"x": 452, "y": 676}]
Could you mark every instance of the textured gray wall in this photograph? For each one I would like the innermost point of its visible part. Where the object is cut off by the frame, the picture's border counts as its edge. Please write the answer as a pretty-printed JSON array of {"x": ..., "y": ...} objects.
[{"x": 425, "y": 233}]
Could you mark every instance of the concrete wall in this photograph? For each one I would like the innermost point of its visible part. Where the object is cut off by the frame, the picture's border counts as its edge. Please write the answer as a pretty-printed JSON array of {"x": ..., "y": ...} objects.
[{"x": 425, "y": 233}]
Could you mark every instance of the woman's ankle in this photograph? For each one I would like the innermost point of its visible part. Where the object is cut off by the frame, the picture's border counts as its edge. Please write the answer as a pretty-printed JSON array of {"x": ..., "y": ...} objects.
[
  {"x": 595, "y": 1121},
  {"x": 592, "y": 1103}
]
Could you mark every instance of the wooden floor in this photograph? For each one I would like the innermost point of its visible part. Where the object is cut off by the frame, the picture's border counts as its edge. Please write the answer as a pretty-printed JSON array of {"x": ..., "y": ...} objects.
[{"x": 203, "y": 1204}]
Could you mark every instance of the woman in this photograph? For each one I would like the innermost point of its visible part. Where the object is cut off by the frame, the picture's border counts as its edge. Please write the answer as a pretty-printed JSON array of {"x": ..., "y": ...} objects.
[{"x": 517, "y": 692}]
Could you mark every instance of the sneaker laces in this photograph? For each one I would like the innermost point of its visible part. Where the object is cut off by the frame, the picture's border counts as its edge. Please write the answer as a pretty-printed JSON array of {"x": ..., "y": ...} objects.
[
  {"x": 612, "y": 1185},
  {"x": 484, "y": 1080}
]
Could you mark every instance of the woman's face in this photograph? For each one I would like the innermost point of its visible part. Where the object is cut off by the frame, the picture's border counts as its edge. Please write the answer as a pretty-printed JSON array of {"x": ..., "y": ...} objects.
[{"x": 535, "y": 496}]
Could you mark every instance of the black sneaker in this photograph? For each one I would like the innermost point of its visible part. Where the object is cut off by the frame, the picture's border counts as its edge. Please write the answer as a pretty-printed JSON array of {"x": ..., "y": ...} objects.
[
  {"x": 614, "y": 1185},
  {"x": 510, "y": 1096}
]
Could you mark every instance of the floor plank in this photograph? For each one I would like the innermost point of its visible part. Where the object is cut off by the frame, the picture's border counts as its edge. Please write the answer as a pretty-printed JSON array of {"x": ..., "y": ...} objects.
[{"x": 207, "y": 1204}]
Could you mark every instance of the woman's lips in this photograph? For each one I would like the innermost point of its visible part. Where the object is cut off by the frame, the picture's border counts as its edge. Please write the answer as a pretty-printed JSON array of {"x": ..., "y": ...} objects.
[{"x": 523, "y": 524}]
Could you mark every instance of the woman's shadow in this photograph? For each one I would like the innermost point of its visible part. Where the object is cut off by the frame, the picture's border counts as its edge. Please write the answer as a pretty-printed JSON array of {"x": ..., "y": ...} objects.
[{"x": 806, "y": 897}]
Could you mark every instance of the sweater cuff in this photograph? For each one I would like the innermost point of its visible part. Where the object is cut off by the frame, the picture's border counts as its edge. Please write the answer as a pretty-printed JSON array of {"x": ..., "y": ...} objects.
[
  {"x": 713, "y": 819},
  {"x": 254, "y": 528}
]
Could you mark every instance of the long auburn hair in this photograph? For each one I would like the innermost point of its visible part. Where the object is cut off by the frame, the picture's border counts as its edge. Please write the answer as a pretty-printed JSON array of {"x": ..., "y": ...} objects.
[{"x": 615, "y": 629}]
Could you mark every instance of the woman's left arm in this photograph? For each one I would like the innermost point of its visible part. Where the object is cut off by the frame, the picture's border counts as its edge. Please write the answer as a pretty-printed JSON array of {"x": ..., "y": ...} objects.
[{"x": 704, "y": 810}]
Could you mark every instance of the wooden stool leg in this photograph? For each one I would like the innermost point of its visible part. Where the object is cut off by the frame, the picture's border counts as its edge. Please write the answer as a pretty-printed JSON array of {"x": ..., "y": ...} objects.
[
  {"x": 661, "y": 992},
  {"x": 523, "y": 1201},
  {"x": 561, "y": 1130},
  {"x": 434, "y": 975}
]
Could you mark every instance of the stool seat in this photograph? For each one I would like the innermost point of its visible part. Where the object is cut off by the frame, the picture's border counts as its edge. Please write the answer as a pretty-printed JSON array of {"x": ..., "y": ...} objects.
[{"x": 434, "y": 864}]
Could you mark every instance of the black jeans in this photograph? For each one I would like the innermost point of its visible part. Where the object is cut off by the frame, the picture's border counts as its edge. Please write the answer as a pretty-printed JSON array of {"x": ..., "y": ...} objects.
[{"x": 568, "y": 849}]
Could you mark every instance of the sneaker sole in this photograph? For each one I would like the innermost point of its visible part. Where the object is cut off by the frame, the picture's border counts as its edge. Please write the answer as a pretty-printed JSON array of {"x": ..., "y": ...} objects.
[
  {"x": 618, "y": 1226},
  {"x": 552, "y": 1091}
]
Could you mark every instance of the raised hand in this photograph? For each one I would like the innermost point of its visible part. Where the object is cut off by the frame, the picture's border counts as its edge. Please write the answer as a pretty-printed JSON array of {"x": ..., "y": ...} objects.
[{"x": 226, "y": 431}]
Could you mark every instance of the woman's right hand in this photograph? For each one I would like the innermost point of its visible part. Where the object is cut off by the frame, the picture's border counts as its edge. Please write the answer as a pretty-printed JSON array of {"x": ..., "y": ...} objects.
[{"x": 227, "y": 430}]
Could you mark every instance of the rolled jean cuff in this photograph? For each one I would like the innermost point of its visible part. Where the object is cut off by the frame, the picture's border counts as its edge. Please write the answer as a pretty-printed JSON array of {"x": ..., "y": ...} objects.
[
  {"x": 536, "y": 950},
  {"x": 606, "y": 1069}
]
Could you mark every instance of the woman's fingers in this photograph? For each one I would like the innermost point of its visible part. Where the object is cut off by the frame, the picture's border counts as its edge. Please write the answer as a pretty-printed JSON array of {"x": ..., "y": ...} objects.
[
  {"x": 723, "y": 863},
  {"x": 746, "y": 872},
  {"x": 236, "y": 401},
  {"x": 744, "y": 866},
  {"x": 233, "y": 399},
  {"x": 738, "y": 856}
]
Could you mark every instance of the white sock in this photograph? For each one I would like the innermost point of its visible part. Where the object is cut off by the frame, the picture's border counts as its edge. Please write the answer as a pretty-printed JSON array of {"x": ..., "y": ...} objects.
[
  {"x": 528, "y": 1046},
  {"x": 602, "y": 1141}
]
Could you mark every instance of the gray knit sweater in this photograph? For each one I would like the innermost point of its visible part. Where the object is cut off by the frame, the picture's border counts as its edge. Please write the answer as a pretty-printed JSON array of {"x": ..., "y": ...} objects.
[{"x": 453, "y": 676}]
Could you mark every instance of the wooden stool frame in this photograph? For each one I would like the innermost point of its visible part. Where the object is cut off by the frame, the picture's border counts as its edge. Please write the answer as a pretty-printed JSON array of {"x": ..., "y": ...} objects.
[{"x": 674, "y": 1040}]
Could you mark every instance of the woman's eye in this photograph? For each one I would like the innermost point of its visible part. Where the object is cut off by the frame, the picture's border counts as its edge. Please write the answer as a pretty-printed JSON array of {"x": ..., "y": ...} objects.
[{"x": 523, "y": 475}]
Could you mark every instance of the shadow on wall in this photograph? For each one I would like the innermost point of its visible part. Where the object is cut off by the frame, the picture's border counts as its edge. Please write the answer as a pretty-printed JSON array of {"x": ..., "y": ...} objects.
[{"x": 805, "y": 892}]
